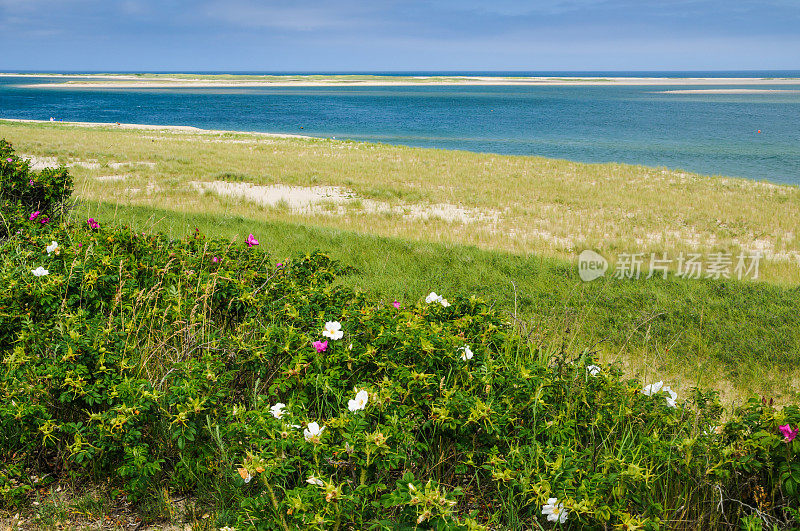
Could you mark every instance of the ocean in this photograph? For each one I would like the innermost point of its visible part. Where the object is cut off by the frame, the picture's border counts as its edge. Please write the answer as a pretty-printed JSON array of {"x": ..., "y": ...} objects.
[{"x": 715, "y": 134}]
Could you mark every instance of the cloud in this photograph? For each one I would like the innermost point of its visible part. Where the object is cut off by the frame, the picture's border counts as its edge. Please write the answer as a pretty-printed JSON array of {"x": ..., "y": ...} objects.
[{"x": 309, "y": 16}]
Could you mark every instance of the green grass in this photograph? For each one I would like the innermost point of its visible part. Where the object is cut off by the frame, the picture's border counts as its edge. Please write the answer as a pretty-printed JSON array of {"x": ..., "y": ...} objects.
[
  {"x": 525, "y": 205},
  {"x": 737, "y": 337}
]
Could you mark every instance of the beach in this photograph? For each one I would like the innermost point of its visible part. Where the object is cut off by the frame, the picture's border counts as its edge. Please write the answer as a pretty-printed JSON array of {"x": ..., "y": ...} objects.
[{"x": 165, "y": 80}]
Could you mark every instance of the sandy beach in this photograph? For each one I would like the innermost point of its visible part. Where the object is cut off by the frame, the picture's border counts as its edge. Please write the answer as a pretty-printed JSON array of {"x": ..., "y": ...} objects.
[
  {"x": 165, "y": 81},
  {"x": 730, "y": 91},
  {"x": 163, "y": 128}
]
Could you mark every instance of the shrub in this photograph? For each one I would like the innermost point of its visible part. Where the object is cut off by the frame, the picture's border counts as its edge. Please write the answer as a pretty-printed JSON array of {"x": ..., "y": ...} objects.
[
  {"x": 287, "y": 401},
  {"x": 29, "y": 196}
]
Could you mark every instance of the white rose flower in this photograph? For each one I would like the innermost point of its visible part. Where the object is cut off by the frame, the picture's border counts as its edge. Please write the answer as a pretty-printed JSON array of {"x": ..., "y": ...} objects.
[
  {"x": 313, "y": 432},
  {"x": 467, "y": 353},
  {"x": 554, "y": 511},
  {"x": 650, "y": 390},
  {"x": 277, "y": 410},
  {"x": 672, "y": 396},
  {"x": 333, "y": 330},
  {"x": 360, "y": 402}
]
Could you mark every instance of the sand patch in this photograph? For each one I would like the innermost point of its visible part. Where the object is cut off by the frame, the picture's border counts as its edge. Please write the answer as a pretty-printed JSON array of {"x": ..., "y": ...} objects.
[
  {"x": 110, "y": 178},
  {"x": 118, "y": 165},
  {"x": 334, "y": 200},
  {"x": 294, "y": 197},
  {"x": 40, "y": 163}
]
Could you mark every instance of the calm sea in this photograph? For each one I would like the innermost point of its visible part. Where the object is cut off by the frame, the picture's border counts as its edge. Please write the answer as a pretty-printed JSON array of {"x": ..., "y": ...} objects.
[{"x": 706, "y": 133}]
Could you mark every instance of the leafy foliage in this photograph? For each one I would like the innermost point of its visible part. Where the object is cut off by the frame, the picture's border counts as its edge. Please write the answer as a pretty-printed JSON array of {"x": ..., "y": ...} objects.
[
  {"x": 161, "y": 364},
  {"x": 27, "y": 195}
]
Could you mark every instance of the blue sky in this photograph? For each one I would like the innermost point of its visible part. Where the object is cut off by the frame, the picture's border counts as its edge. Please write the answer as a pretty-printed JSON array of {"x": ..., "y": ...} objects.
[{"x": 348, "y": 35}]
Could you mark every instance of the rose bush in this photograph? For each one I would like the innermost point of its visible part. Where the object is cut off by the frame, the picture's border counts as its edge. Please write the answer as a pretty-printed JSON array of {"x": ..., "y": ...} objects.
[{"x": 287, "y": 401}]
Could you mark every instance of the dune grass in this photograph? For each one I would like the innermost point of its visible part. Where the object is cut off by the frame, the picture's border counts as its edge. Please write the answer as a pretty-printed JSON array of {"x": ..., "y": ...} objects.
[
  {"x": 524, "y": 205},
  {"x": 737, "y": 337},
  {"x": 521, "y": 221}
]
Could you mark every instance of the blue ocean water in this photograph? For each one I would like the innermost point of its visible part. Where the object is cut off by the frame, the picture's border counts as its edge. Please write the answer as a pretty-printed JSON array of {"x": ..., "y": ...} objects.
[{"x": 705, "y": 133}]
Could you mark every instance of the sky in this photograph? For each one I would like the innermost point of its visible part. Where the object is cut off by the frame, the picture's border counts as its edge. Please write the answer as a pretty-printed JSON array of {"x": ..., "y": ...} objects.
[{"x": 398, "y": 35}]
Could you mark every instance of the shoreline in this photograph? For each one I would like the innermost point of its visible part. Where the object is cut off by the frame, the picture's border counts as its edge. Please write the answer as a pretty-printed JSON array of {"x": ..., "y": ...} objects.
[
  {"x": 131, "y": 81},
  {"x": 150, "y": 127}
]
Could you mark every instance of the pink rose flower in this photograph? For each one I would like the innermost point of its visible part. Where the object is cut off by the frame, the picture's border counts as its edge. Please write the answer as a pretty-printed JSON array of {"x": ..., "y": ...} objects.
[
  {"x": 788, "y": 433},
  {"x": 320, "y": 346}
]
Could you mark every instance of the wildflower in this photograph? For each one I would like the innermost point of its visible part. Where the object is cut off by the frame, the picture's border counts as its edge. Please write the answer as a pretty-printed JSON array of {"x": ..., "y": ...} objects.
[
  {"x": 33, "y": 216},
  {"x": 93, "y": 224},
  {"x": 396, "y": 304},
  {"x": 279, "y": 264},
  {"x": 650, "y": 390},
  {"x": 672, "y": 396},
  {"x": 313, "y": 432},
  {"x": 554, "y": 511},
  {"x": 313, "y": 480},
  {"x": 44, "y": 220},
  {"x": 251, "y": 241},
  {"x": 433, "y": 297},
  {"x": 788, "y": 433},
  {"x": 30, "y": 182},
  {"x": 9, "y": 159},
  {"x": 52, "y": 247},
  {"x": 333, "y": 330},
  {"x": 467, "y": 353},
  {"x": 321, "y": 346},
  {"x": 215, "y": 260},
  {"x": 593, "y": 370},
  {"x": 40, "y": 272},
  {"x": 277, "y": 410},
  {"x": 246, "y": 476},
  {"x": 227, "y": 528},
  {"x": 653, "y": 389},
  {"x": 360, "y": 402}
]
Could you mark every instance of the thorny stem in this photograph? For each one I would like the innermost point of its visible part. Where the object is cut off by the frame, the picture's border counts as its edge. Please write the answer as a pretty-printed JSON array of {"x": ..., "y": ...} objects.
[{"x": 275, "y": 505}]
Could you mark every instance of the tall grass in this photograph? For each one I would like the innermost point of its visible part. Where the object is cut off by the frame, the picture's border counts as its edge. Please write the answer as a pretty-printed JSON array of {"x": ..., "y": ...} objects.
[
  {"x": 737, "y": 337},
  {"x": 525, "y": 205}
]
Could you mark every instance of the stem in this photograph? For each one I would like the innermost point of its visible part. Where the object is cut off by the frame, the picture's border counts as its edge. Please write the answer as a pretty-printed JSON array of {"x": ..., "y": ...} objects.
[
  {"x": 275, "y": 505},
  {"x": 338, "y": 519}
]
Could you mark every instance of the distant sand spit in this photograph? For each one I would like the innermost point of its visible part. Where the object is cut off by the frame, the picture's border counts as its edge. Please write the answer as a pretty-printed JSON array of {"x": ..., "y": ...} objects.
[
  {"x": 730, "y": 91},
  {"x": 130, "y": 81}
]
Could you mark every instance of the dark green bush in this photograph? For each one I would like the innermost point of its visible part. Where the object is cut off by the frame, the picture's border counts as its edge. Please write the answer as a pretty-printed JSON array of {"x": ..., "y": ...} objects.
[
  {"x": 28, "y": 197},
  {"x": 158, "y": 364}
]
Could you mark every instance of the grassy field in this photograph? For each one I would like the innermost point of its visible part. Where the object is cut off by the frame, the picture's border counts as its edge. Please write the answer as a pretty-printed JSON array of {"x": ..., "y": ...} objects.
[{"x": 506, "y": 228}]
